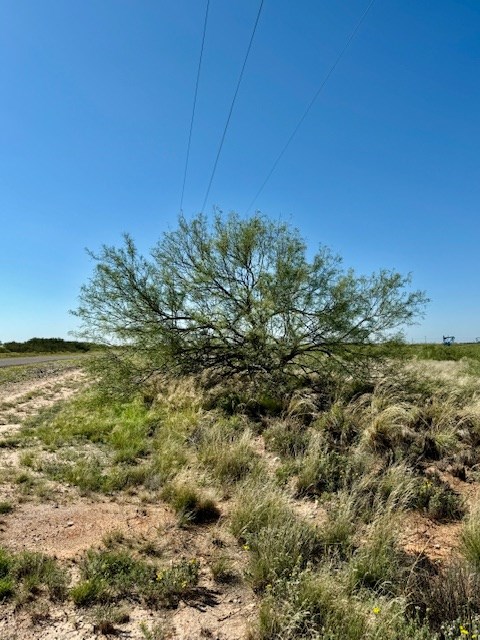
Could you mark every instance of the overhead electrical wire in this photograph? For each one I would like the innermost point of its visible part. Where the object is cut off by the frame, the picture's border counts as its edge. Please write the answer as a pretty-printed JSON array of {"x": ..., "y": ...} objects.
[
  {"x": 222, "y": 140},
  {"x": 310, "y": 104},
  {"x": 194, "y": 106}
]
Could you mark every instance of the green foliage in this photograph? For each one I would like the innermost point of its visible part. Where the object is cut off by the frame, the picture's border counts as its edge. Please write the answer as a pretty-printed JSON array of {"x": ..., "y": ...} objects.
[
  {"x": 227, "y": 455},
  {"x": 190, "y": 505},
  {"x": 174, "y": 582},
  {"x": 47, "y": 345},
  {"x": 440, "y": 352},
  {"x": 88, "y": 592},
  {"x": 5, "y": 507},
  {"x": 322, "y": 470},
  {"x": 287, "y": 437},
  {"x": 463, "y": 627},
  {"x": 108, "y": 575},
  {"x": 308, "y": 606},
  {"x": 278, "y": 541},
  {"x": 438, "y": 499},
  {"x": 28, "y": 572},
  {"x": 470, "y": 540},
  {"x": 238, "y": 297},
  {"x": 376, "y": 564},
  {"x": 339, "y": 528},
  {"x": 7, "y": 589}
]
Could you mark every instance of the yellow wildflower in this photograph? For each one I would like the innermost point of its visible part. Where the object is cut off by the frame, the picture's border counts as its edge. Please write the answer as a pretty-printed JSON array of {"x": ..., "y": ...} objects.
[{"x": 376, "y": 610}]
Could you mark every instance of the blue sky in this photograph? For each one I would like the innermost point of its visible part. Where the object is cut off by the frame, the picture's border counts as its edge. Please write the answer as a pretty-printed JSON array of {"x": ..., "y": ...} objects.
[{"x": 94, "y": 116}]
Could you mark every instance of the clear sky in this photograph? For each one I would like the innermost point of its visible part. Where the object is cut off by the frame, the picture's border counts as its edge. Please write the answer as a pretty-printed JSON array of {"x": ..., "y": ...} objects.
[{"x": 95, "y": 106}]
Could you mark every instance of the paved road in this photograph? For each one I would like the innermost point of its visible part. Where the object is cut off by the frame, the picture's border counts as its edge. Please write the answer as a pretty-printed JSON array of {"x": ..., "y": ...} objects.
[{"x": 12, "y": 362}]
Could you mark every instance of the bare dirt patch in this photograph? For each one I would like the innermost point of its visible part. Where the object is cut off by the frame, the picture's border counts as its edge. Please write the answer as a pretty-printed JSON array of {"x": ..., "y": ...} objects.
[
  {"x": 438, "y": 541},
  {"x": 67, "y": 530},
  {"x": 21, "y": 399}
]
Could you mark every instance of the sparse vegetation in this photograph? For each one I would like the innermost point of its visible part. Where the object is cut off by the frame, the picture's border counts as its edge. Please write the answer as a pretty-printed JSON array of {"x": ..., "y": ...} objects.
[
  {"x": 25, "y": 574},
  {"x": 307, "y": 502}
]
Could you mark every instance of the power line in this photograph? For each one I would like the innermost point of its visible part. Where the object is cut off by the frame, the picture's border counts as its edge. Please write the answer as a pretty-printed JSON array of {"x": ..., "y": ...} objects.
[
  {"x": 222, "y": 140},
  {"x": 194, "y": 106},
  {"x": 311, "y": 103}
]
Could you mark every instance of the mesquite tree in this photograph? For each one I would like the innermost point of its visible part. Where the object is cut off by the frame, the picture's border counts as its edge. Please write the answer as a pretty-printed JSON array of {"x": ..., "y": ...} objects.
[{"x": 238, "y": 297}]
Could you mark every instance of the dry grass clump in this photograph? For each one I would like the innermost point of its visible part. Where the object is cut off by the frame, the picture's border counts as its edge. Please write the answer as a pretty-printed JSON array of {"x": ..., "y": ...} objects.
[
  {"x": 288, "y": 438},
  {"x": 322, "y": 469},
  {"x": 315, "y": 604},
  {"x": 470, "y": 539},
  {"x": 190, "y": 504},
  {"x": 226, "y": 452},
  {"x": 278, "y": 540},
  {"x": 445, "y": 595}
]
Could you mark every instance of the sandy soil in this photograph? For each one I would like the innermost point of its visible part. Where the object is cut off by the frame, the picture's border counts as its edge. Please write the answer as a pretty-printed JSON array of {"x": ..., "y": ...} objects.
[{"x": 67, "y": 524}]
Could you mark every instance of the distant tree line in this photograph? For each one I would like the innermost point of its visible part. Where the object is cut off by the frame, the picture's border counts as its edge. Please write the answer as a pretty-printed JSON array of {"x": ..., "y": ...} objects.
[{"x": 47, "y": 345}]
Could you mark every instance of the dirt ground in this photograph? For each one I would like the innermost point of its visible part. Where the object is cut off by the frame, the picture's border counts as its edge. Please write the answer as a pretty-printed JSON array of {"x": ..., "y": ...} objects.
[
  {"x": 64, "y": 524},
  {"x": 58, "y": 520}
]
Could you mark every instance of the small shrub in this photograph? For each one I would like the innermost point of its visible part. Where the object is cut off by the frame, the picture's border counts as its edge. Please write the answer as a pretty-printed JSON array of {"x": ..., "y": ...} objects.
[
  {"x": 7, "y": 589},
  {"x": 6, "y": 507},
  {"x": 438, "y": 499},
  {"x": 88, "y": 592},
  {"x": 173, "y": 583},
  {"x": 190, "y": 505}
]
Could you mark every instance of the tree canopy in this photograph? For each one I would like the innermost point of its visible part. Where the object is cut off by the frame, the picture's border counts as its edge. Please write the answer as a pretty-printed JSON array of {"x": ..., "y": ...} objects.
[{"x": 236, "y": 296}]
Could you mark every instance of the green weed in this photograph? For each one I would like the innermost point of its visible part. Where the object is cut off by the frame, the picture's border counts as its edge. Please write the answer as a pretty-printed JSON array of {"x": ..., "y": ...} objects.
[{"x": 189, "y": 504}]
